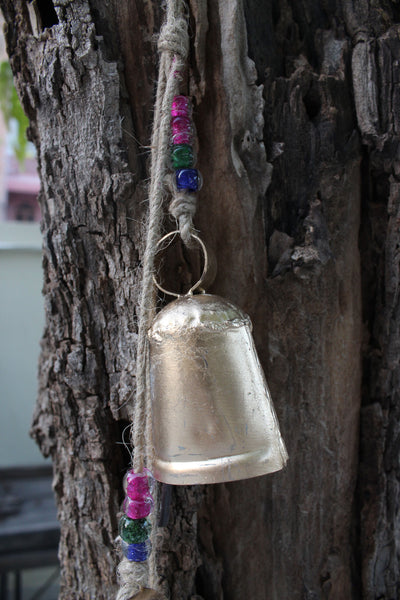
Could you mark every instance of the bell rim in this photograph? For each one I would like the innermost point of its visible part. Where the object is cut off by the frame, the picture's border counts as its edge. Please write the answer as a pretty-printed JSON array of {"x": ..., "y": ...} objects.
[{"x": 221, "y": 469}]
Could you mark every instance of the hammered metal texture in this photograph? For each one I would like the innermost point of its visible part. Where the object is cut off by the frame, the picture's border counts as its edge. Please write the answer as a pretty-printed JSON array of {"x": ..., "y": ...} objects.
[{"x": 213, "y": 418}]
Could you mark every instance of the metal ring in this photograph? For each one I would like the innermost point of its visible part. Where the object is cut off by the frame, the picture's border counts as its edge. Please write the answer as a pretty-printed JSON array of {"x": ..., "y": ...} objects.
[{"x": 198, "y": 283}]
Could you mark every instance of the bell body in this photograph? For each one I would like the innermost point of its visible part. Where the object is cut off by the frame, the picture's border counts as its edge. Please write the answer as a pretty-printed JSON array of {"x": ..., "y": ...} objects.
[{"x": 213, "y": 418}]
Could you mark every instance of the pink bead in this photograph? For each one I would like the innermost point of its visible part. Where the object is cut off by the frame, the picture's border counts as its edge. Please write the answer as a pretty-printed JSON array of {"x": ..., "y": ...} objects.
[
  {"x": 137, "y": 488},
  {"x": 181, "y": 107},
  {"x": 181, "y": 125},
  {"x": 182, "y": 138},
  {"x": 138, "y": 509},
  {"x": 137, "y": 484}
]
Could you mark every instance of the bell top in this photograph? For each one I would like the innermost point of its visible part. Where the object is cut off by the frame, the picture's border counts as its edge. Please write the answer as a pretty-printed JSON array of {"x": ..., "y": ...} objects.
[{"x": 201, "y": 312}]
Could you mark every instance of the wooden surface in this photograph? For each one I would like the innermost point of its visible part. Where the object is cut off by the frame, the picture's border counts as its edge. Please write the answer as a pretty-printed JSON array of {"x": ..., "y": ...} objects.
[{"x": 296, "y": 110}]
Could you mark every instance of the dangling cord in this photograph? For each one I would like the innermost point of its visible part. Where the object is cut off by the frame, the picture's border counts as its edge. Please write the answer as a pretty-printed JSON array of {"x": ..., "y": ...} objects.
[{"x": 173, "y": 46}]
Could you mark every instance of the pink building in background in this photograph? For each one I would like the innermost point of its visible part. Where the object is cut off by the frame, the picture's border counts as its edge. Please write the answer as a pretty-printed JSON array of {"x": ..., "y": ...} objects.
[{"x": 21, "y": 188}]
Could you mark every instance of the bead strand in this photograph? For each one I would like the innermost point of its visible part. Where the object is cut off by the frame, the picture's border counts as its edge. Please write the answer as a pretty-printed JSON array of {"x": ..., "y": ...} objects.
[
  {"x": 134, "y": 527},
  {"x": 182, "y": 154}
]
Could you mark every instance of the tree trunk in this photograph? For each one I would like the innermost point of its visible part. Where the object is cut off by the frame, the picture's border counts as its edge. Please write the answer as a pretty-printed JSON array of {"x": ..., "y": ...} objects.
[{"x": 297, "y": 116}]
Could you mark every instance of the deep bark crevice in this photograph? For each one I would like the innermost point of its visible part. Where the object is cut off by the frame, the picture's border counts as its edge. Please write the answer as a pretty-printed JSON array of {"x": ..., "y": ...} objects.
[{"x": 46, "y": 13}]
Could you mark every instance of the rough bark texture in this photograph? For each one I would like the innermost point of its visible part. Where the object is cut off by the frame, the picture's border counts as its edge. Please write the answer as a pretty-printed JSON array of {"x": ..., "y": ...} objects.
[{"x": 297, "y": 110}]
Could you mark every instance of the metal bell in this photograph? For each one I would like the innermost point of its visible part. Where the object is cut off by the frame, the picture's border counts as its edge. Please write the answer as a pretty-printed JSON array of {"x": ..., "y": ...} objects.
[{"x": 213, "y": 418}]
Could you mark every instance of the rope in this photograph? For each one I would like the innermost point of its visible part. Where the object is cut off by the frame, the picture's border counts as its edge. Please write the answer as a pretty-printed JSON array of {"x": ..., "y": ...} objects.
[
  {"x": 183, "y": 208},
  {"x": 173, "y": 46},
  {"x": 133, "y": 577}
]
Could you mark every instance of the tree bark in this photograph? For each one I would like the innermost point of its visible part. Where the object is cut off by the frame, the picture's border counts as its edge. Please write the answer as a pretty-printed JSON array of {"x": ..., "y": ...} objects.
[{"x": 296, "y": 111}]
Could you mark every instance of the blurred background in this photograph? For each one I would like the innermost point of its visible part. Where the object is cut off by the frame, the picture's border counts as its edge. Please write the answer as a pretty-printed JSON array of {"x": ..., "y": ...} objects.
[{"x": 28, "y": 526}]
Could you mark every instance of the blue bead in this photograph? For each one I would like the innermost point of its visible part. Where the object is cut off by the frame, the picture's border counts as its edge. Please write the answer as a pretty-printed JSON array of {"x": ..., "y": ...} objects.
[
  {"x": 137, "y": 552},
  {"x": 188, "y": 179}
]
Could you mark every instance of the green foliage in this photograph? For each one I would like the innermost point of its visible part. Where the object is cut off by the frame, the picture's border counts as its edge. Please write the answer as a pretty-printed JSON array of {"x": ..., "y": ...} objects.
[{"x": 12, "y": 110}]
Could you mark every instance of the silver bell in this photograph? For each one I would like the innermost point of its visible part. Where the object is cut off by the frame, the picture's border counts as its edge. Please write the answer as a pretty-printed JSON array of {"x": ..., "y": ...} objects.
[{"x": 213, "y": 418}]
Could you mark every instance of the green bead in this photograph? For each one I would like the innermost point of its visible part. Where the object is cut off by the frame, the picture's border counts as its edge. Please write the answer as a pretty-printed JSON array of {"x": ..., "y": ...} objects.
[
  {"x": 134, "y": 531},
  {"x": 182, "y": 156}
]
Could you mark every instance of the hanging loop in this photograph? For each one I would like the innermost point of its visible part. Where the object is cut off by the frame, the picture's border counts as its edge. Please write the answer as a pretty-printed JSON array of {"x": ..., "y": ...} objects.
[{"x": 209, "y": 269}]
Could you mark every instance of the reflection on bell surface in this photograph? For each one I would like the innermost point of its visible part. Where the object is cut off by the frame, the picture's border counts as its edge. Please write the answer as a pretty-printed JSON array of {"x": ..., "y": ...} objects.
[{"x": 213, "y": 418}]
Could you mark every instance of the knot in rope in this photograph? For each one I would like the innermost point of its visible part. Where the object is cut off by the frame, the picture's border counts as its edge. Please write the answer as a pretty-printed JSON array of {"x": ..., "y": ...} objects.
[
  {"x": 174, "y": 38},
  {"x": 133, "y": 576},
  {"x": 183, "y": 209}
]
